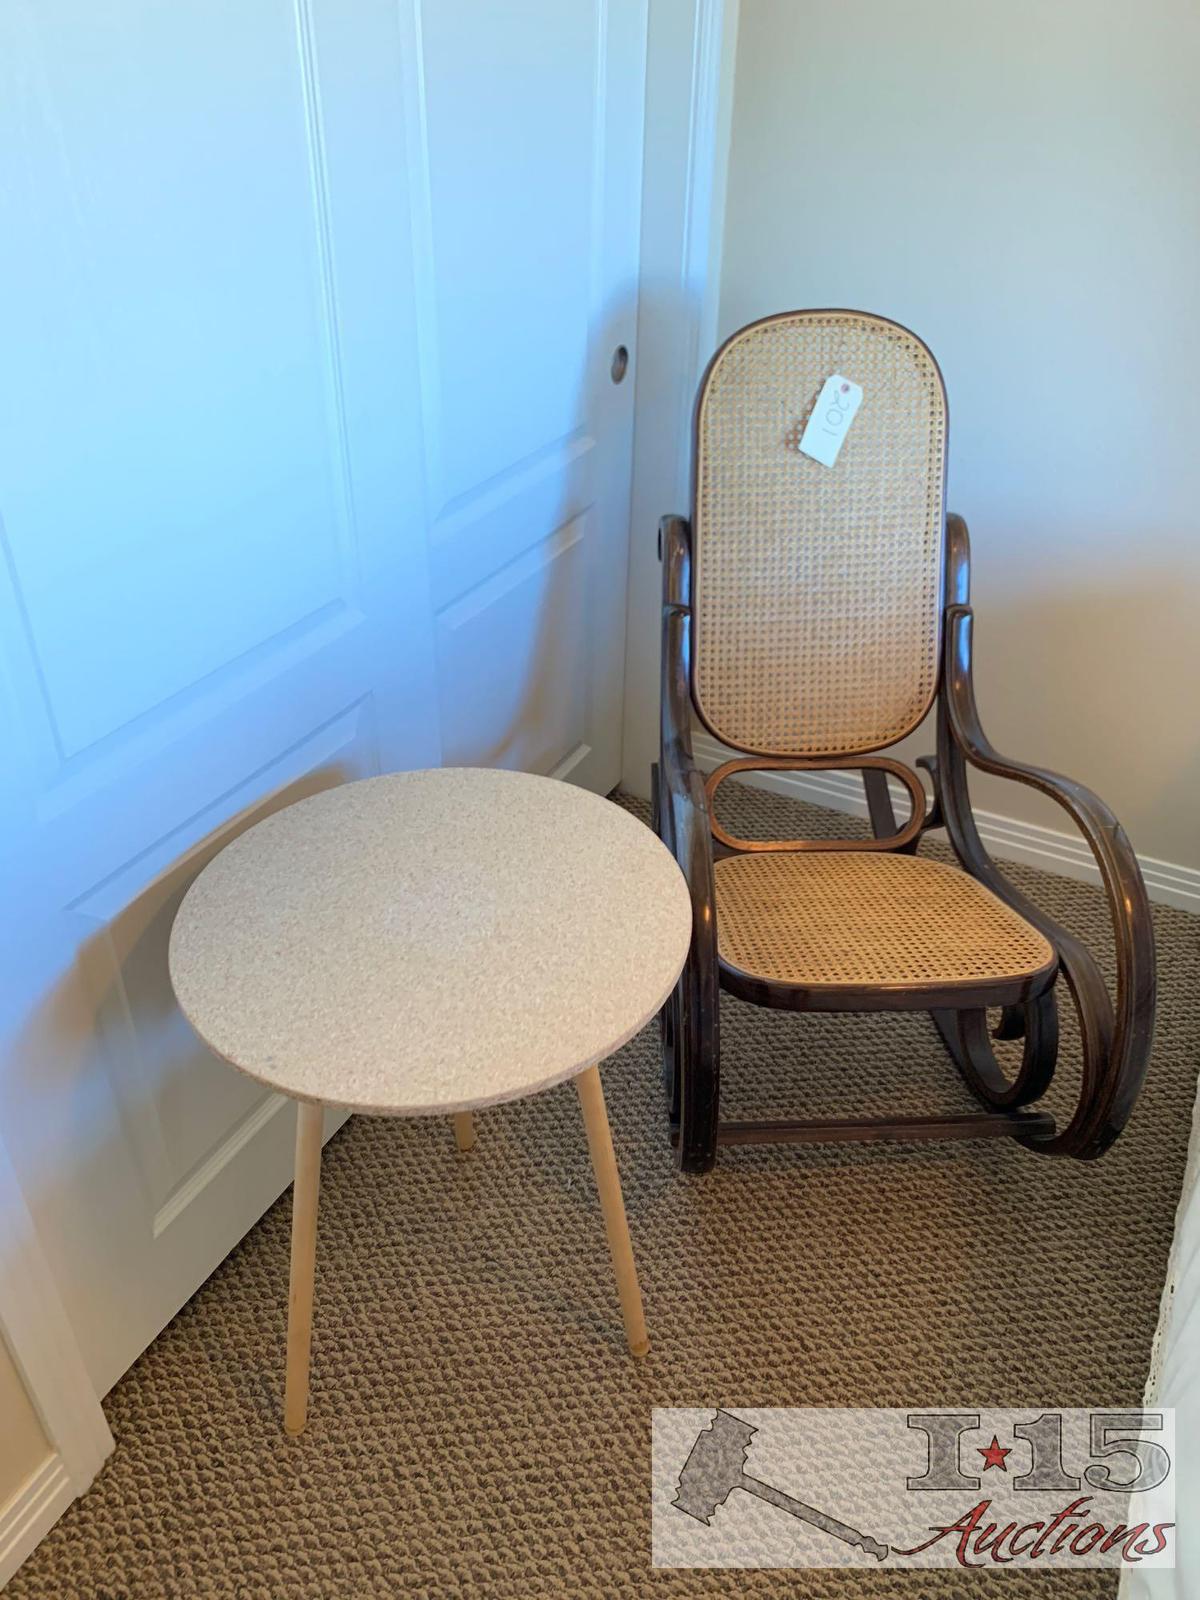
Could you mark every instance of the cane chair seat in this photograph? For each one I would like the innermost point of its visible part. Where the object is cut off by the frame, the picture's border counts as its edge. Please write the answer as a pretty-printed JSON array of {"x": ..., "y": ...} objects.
[{"x": 840, "y": 922}]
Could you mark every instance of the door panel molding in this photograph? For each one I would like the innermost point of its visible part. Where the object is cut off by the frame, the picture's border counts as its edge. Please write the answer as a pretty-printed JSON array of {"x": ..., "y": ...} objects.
[
  {"x": 500, "y": 525},
  {"x": 459, "y": 250},
  {"x": 510, "y": 480},
  {"x": 84, "y": 706},
  {"x": 184, "y": 1194},
  {"x": 534, "y": 713},
  {"x": 322, "y": 220},
  {"x": 139, "y": 1032}
]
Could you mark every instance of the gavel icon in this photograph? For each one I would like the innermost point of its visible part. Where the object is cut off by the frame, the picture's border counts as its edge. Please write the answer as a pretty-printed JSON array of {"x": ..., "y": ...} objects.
[{"x": 714, "y": 1469}]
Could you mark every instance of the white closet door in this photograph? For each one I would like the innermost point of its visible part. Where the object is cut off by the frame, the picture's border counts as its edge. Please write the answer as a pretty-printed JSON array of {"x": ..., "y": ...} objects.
[
  {"x": 311, "y": 465},
  {"x": 525, "y": 148},
  {"x": 214, "y": 591}
]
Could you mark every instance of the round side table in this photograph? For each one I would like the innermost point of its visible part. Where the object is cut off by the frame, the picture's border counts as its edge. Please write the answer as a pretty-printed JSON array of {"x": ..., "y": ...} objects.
[{"x": 424, "y": 944}]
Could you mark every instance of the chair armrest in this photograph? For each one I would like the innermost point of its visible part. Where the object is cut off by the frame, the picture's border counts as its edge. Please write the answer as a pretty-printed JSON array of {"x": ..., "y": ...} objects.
[
  {"x": 675, "y": 553},
  {"x": 1130, "y": 1025},
  {"x": 687, "y": 829}
]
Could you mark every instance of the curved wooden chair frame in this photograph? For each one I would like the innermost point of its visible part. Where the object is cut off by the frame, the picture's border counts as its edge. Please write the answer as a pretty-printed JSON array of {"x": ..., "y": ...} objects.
[{"x": 1116, "y": 1032}]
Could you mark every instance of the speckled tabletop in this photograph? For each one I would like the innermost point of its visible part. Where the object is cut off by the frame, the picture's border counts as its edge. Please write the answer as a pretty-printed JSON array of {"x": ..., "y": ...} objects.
[{"x": 430, "y": 942}]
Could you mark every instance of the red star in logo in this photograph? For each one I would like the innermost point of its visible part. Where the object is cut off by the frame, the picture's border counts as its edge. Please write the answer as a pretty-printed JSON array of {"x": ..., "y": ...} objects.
[{"x": 994, "y": 1456}]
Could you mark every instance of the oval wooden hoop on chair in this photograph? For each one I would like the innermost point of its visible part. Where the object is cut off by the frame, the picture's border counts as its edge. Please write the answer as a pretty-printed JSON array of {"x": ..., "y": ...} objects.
[{"x": 891, "y": 841}]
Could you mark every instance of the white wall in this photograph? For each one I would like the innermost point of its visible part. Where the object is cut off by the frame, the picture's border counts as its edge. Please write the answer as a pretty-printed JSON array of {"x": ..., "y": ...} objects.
[{"x": 1020, "y": 184}]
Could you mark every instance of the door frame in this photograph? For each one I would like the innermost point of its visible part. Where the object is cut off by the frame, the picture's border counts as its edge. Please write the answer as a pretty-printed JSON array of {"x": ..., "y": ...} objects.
[
  {"x": 691, "y": 56},
  {"x": 35, "y": 1329}
]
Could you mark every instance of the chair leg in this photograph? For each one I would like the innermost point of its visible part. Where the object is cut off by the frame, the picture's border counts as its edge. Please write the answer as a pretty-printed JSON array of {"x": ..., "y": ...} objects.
[
  {"x": 668, "y": 1030},
  {"x": 612, "y": 1203},
  {"x": 464, "y": 1130},
  {"x": 669, "y": 1018},
  {"x": 696, "y": 1063}
]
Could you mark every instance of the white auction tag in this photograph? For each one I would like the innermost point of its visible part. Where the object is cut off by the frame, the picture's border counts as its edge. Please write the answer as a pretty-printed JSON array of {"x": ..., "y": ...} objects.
[{"x": 831, "y": 417}]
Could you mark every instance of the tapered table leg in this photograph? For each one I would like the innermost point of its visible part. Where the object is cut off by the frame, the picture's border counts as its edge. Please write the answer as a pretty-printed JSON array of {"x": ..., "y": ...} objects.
[
  {"x": 309, "y": 1128},
  {"x": 608, "y": 1181},
  {"x": 464, "y": 1130}
]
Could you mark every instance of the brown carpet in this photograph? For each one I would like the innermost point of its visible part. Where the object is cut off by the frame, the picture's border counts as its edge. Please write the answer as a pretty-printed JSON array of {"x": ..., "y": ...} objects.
[{"x": 476, "y": 1426}]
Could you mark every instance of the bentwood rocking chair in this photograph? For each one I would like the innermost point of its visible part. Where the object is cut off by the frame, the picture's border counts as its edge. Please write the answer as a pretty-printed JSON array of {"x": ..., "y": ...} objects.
[{"x": 812, "y": 615}]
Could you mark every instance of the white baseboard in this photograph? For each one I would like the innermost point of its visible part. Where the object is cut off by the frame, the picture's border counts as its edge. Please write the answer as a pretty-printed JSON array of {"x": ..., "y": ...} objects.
[
  {"x": 1005, "y": 837},
  {"x": 32, "y": 1512}
]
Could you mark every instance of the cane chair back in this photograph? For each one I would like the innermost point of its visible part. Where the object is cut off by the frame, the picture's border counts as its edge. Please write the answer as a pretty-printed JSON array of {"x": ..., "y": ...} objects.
[{"x": 817, "y": 590}]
